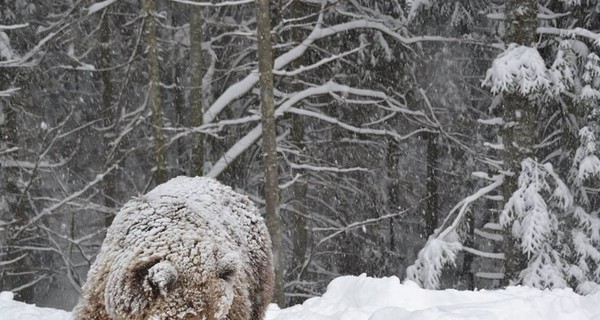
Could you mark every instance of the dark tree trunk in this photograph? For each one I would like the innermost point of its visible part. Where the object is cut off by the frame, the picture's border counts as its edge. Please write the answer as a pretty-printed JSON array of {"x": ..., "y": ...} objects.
[
  {"x": 154, "y": 100},
  {"x": 392, "y": 160},
  {"x": 269, "y": 143},
  {"x": 431, "y": 185},
  {"x": 518, "y": 135},
  {"x": 179, "y": 106},
  {"x": 196, "y": 105},
  {"x": 108, "y": 185},
  {"x": 300, "y": 234},
  {"x": 467, "y": 268}
]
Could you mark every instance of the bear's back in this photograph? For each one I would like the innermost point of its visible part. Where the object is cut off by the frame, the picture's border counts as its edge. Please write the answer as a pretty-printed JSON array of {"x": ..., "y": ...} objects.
[{"x": 194, "y": 204}]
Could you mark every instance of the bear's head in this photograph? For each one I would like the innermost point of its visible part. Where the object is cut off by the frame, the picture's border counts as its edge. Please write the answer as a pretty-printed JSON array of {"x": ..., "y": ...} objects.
[{"x": 169, "y": 287}]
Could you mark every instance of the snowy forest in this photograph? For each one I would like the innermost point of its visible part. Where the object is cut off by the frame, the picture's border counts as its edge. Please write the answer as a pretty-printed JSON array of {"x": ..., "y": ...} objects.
[{"x": 450, "y": 142}]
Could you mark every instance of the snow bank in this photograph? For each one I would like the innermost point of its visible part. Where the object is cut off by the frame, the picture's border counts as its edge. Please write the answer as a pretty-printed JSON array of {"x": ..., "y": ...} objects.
[
  {"x": 14, "y": 310},
  {"x": 364, "y": 298}
]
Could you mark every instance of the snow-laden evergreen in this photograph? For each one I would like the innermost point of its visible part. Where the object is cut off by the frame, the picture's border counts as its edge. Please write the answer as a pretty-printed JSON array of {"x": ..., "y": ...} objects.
[
  {"x": 533, "y": 213},
  {"x": 590, "y": 93},
  {"x": 584, "y": 270},
  {"x": 519, "y": 69},
  {"x": 552, "y": 215},
  {"x": 436, "y": 255}
]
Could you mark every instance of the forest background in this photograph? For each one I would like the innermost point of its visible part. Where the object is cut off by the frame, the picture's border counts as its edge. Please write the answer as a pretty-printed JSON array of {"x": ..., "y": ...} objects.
[{"x": 450, "y": 142}]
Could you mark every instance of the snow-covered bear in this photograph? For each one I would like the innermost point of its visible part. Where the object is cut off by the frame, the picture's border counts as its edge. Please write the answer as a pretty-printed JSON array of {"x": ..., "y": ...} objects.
[{"x": 191, "y": 248}]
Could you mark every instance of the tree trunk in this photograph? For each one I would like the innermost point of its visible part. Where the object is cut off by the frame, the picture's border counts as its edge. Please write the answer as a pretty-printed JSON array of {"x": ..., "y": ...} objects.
[
  {"x": 467, "y": 267},
  {"x": 300, "y": 234},
  {"x": 154, "y": 100},
  {"x": 179, "y": 94},
  {"x": 108, "y": 114},
  {"x": 431, "y": 185},
  {"x": 196, "y": 107},
  {"x": 393, "y": 190},
  {"x": 518, "y": 135},
  {"x": 269, "y": 134}
]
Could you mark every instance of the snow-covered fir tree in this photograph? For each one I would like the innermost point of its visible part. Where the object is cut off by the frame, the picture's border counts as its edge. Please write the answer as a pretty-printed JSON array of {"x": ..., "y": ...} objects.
[{"x": 550, "y": 213}]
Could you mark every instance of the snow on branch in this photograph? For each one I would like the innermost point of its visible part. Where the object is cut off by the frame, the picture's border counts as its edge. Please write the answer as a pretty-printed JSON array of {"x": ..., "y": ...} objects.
[
  {"x": 585, "y": 164},
  {"x": 328, "y": 88},
  {"x": 561, "y": 72},
  {"x": 498, "y": 121},
  {"x": 13, "y": 26},
  {"x": 571, "y": 33},
  {"x": 8, "y": 92},
  {"x": 328, "y": 169},
  {"x": 238, "y": 148},
  {"x": 442, "y": 247},
  {"x": 378, "y": 132},
  {"x": 17, "y": 259},
  {"x": 33, "y": 52},
  {"x": 431, "y": 260},
  {"x": 585, "y": 234},
  {"x": 489, "y": 255},
  {"x": 37, "y": 51},
  {"x": 531, "y": 215},
  {"x": 528, "y": 211},
  {"x": 6, "y": 51},
  {"x": 464, "y": 204},
  {"x": 488, "y": 235},
  {"x": 245, "y": 85},
  {"x": 354, "y": 225},
  {"x": 12, "y": 163},
  {"x": 316, "y": 64},
  {"x": 540, "y": 16},
  {"x": 99, "y": 6},
  {"x": 520, "y": 69},
  {"x": 218, "y": 4},
  {"x": 545, "y": 270},
  {"x": 49, "y": 210}
]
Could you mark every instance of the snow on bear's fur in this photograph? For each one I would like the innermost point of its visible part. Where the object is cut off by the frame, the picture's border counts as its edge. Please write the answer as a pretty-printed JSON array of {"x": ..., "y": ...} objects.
[{"x": 191, "y": 248}]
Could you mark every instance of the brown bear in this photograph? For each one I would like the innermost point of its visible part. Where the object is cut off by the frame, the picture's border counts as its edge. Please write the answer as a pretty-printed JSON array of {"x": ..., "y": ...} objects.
[{"x": 191, "y": 248}]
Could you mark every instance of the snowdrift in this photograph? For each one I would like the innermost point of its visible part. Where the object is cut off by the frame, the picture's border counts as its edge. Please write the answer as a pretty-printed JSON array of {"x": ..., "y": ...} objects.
[
  {"x": 14, "y": 310},
  {"x": 365, "y": 298}
]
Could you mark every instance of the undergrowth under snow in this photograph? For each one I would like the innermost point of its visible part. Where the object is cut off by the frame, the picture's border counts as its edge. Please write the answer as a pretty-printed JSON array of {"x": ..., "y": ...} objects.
[{"x": 365, "y": 298}]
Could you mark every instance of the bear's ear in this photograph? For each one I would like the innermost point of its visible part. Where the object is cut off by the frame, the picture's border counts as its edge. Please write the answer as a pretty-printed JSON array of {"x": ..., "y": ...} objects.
[
  {"x": 228, "y": 265},
  {"x": 161, "y": 278}
]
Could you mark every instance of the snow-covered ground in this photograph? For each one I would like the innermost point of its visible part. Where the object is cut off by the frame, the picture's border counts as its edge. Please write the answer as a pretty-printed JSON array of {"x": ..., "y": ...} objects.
[
  {"x": 365, "y": 298},
  {"x": 14, "y": 310}
]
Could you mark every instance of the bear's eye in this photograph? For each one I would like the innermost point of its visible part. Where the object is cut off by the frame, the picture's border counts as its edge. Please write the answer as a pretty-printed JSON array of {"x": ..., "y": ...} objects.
[
  {"x": 227, "y": 266},
  {"x": 227, "y": 273}
]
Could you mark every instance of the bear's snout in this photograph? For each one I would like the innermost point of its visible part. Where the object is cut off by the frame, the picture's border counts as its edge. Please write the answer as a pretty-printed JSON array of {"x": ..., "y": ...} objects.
[{"x": 162, "y": 277}]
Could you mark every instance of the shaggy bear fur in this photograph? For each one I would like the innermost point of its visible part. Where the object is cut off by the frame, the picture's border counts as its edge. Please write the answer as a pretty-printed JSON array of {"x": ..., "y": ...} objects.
[{"x": 191, "y": 248}]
